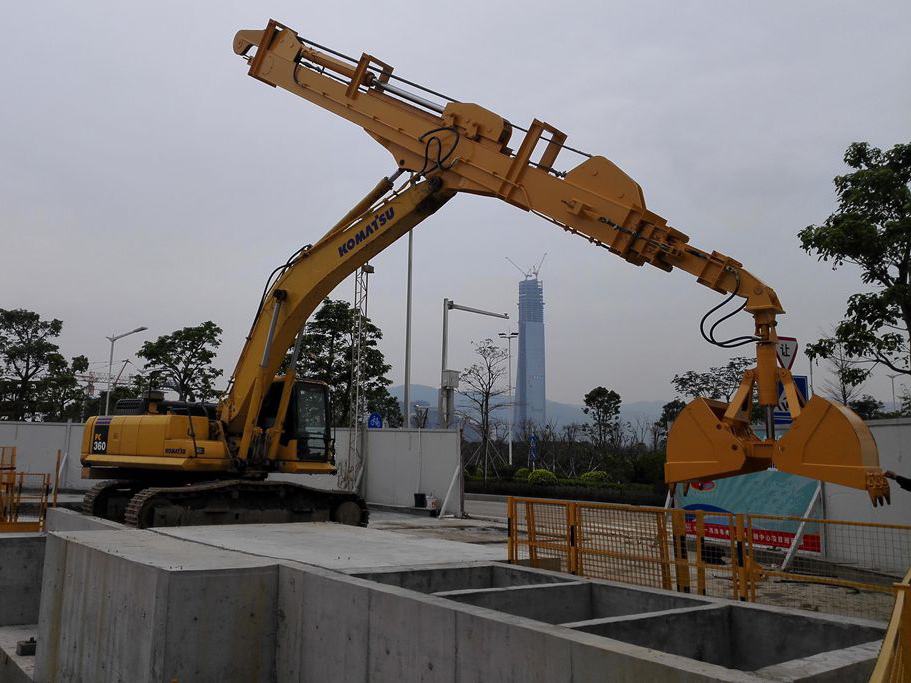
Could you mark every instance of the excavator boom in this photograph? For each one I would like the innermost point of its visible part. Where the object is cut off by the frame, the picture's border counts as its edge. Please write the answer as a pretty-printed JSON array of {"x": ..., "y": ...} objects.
[{"x": 467, "y": 148}]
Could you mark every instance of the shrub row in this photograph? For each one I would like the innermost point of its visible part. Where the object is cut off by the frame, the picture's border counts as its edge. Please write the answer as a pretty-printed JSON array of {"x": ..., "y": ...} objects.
[{"x": 637, "y": 494}]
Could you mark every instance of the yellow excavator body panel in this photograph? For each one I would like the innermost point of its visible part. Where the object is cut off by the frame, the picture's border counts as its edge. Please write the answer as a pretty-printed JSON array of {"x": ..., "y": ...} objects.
[{"x": 166, "y": 443}]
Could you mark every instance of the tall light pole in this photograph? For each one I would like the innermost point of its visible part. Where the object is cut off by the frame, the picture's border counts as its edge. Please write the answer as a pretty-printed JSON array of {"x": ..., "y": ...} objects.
[
  {"x": 892, "y": 377},
  {"x": 112, "y": 339},
  {"x": 449, "y": 378},
  {"x": 407, "y": 396},
  {"x": 509, "y": 336}
]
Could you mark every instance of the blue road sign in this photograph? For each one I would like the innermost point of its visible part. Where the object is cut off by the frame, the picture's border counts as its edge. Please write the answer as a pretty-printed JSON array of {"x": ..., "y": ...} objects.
[
  {"x": 781, "y": 414},
  {"x": 533, "y": 449},
  {"x": 375, "y": 421}
]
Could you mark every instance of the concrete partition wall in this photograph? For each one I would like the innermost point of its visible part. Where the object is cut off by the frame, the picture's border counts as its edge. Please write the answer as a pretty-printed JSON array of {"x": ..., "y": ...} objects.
[{"x": 21, "y": 559}]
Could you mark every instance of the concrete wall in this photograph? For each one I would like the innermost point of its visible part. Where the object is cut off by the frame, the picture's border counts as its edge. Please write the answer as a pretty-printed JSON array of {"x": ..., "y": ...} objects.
[
  {"x": 851, "y": 545},
  {"x": 21, "y": 560},
  {"x": 36, "y": 448},
  {"x": 137, "y": 606},
  {"x": 400, "y": 462}
]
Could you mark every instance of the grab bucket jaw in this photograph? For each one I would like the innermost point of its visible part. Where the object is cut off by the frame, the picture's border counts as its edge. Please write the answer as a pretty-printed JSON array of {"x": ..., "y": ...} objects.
[{"x": 827, "y": 442}]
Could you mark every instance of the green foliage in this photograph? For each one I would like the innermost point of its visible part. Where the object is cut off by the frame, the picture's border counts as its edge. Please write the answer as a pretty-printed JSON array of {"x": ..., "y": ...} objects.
[
  {"x": 521, "y": 474},
  {"x": 871, "y": 229},
  {"x": 326, "y": 354},
  {"x": 36, "y": 381},
  {"x": 594, "y": 478},
  {"x": 867, "y": 407},
  {"x": 603, "y": 405},
  {"x": 182, "y": 361},
  {"x": 542, "y": 478},
  {"x": 718, "y": 383}
]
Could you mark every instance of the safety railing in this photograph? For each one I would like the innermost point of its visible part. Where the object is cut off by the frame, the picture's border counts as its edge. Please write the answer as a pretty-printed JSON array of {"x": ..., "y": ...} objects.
[
  {"x": 894, "y": 662},
  {"x": 837, "y": 567},
  {"x": 29, "y": 491}
]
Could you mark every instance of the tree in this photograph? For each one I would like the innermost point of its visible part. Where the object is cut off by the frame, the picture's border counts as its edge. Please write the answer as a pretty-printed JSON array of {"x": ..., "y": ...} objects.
[
  {"x": 603, "y": 405},
  {"x": 867, "y": 407},
  {"x": 182, "y": 361},
  {"x": 871, "y": 229},
  {"x": 36, "y": 382},
  {"x": 844, "y": 384},
  {"x": 62, "y": 397},
  {"x": 669, "y": 413},
  {"x": 482, "y": 382},
  {"x": 718, "y": 383},
  {"x": 326, "y": 355}
]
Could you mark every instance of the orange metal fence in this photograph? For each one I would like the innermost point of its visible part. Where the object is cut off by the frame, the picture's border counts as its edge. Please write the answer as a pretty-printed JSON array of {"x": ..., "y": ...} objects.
[
  {"x": 27, "y": 490},
  {"x": 894, "y": 662},
  {"x": 836, "y": 567}
]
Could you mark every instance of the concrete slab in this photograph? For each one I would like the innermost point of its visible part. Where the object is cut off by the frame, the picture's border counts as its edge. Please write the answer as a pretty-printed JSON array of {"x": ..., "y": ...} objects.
[
  {"x": 61, "y": 519},
  {"x": 333, "y": 546}
]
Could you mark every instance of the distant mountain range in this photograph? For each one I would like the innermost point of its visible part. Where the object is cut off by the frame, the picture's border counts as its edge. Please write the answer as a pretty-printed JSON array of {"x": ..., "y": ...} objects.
[{"x": 560, "y": 413}]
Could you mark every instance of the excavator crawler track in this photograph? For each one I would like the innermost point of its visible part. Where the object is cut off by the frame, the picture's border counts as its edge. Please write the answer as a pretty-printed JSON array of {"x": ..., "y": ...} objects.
[
  {"x": 238, "y": 501},
  {"x": 109, "y": 499}
]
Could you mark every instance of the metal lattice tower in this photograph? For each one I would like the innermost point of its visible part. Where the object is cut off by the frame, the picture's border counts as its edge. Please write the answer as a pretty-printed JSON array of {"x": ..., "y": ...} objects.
[{"x": 350, "y": 475}]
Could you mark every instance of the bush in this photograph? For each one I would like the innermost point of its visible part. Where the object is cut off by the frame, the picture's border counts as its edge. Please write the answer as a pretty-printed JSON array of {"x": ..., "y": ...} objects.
[
  {"x": 594, "y": 478},
  {"x": 522, "y": 474},
  {"x": 542, "y": 478}
]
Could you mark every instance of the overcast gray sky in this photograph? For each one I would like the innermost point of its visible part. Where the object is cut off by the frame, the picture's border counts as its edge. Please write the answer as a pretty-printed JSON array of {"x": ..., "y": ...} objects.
[{"x": 145, "y": 179}]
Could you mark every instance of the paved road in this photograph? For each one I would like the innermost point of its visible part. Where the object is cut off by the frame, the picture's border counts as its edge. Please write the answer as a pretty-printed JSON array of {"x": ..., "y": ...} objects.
[{"x": 486, "y": 508}]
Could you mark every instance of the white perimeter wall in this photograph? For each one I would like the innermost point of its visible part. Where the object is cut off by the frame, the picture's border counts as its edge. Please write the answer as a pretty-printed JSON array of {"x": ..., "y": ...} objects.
[
  {"x": 400, "y": 462},
  {"x": 892, "y": 551}
]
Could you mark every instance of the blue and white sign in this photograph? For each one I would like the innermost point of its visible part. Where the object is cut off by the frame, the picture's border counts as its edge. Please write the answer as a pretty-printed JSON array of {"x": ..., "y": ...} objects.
[
  {"x": 781, "y": 414},
  {"x": 375, "y": 421},
  {"x": 533, "y": 449}
]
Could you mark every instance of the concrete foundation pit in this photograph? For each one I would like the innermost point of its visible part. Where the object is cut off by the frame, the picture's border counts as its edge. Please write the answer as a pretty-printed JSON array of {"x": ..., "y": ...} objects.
[{"x": 320, "y": 602}]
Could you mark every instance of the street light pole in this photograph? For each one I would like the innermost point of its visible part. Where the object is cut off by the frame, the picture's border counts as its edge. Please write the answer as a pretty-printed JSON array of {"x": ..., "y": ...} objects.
[
  {"x": 112, "y": 339},
  {"x": 892, "y": 377},
  {"x": 509, "y": 336},
  {"x": 408, "y": 335},
  {"x": 445, "y": 405}
]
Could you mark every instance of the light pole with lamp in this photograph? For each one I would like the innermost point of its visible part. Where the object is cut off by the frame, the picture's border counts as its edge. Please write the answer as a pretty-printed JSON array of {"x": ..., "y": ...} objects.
[
  {"x": 112, "y": 339},
  {"x": 509, "y": 336},
  {"x": 892, "y": 377},
  {"x": 449, "y": 380}
]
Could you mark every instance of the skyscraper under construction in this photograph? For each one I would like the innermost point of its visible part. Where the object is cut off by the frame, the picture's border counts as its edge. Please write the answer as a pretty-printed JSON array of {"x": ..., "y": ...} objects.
[{"x": 530, "y": 395}]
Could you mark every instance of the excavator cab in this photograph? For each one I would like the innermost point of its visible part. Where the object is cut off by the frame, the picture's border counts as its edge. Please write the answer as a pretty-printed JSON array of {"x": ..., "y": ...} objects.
[{"x": 306, "y": 433}]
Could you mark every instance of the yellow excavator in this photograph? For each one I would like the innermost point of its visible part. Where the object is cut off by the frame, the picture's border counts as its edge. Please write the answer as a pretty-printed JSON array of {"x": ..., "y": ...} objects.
[{"x": 173, "y": 463}]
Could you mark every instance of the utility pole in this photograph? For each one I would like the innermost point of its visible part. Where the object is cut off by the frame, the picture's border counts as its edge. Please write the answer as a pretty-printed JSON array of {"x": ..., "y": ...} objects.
[{"x": 509, "y": 336}]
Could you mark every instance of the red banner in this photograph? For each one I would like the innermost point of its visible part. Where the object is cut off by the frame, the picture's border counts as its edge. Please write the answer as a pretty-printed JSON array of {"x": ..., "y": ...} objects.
[{"x": 766, "y": 537}]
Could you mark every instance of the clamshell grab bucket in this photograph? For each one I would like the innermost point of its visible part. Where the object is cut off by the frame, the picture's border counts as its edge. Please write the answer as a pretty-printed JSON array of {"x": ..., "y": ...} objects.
[
  {"x": 829, "y": 442},
  {"x": 826, "y": 441},
  {"x": 702, "y": 445}
]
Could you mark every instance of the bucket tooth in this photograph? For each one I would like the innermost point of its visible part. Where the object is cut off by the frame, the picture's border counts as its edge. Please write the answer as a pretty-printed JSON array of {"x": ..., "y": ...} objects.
[
  {"x": 829, "y": 442},
  {"x": 701, "y": 445}
]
